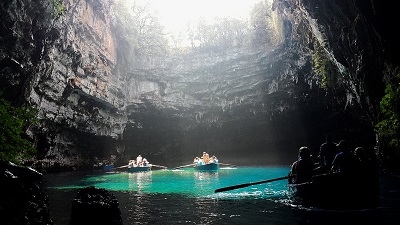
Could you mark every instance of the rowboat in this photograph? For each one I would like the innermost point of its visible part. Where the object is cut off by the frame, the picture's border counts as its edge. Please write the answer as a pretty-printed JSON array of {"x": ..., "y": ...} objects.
[
  {"x": 139, "y": 165},
  {"x": 214, "y": 166},
  {"x": 135, "y": 169},
  {"x": 108, "y": 167},
  {"x": 336, "y": 191},
  {"x": 104, "y": 167}
]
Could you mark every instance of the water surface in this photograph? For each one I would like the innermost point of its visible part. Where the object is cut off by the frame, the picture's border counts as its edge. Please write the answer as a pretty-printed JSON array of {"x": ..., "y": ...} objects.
[{"x": 187, "y": 197}]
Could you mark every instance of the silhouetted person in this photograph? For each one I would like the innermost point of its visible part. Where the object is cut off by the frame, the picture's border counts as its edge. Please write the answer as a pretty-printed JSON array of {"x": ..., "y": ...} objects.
[
  {"x": 303, "y": 167},
  {"x": 327, "y": 153},
  {"x": 367, "y": 165},
  {"x": 345, "y": 161},
  {"x": 368, "y": 176}
]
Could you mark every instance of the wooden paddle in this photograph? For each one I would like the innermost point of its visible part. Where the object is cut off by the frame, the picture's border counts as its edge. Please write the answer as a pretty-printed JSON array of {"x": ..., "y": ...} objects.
[
  {"x": 266, "y": 181},
  {"x": 164, "y": 167},
  {"x": 225, "y": 164},
  {"x": 193, "y": 164},
  {"x": 121, "y": 167},
  {"x": 250, "y": 184}
]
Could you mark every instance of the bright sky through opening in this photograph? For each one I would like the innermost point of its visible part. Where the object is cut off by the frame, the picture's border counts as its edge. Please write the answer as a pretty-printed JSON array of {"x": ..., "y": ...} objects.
[{"x": 175, "y": 14}]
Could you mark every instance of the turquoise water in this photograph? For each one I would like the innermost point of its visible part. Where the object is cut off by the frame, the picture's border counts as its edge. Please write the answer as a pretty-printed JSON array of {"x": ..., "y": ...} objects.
[
  {"x": 191, "y": 183},
  {"x": 171, "y": 197}
]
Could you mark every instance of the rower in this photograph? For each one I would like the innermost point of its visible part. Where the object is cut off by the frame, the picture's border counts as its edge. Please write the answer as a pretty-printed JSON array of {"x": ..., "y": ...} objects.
[
  {"x": 145, "y": 162},
  {"x": 139, "y": 159},
  {"x": 303, "y": 167},
  {"x": 131, "y": 163},
  {"x": 206, "y": 158}
]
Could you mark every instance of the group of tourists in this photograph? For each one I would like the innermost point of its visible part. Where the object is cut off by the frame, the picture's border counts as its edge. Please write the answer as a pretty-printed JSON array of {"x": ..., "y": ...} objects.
[
  {"x": 333, "y": 158},
  {"x": 205, "y": 159},
  {"x": 140, "y": 161}
]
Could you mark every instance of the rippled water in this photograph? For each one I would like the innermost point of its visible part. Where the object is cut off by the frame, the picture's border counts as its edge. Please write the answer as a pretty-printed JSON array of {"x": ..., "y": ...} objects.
[{"x": 187, "y": 197}]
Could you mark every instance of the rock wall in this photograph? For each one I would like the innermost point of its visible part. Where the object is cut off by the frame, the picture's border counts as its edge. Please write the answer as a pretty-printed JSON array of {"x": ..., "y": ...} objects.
[
  {"x": 77, "y": 89},
  {"x": 62, "y": 60},
  {"x": 347, "y": 34},
  {"x": 238, "y": 104},
  {"x": 357, "y": 38}
]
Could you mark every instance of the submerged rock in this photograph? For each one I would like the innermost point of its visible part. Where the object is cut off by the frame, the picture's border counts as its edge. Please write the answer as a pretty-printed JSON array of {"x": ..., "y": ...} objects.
[{"x": 95, "y": 206}]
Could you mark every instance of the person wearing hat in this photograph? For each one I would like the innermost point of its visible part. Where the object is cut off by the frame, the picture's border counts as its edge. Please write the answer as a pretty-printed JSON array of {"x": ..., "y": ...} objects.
[
  {"x": 303, "y": 167},
  {"x": 345, "y": 161}
]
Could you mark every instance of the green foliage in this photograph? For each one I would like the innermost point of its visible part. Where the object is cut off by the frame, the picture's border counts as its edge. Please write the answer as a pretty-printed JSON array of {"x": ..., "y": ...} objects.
[
  {"x": 261, "y": 24},
  {"x": 13, "y": 122},
  {"x": 323, "y": 67},
  {"x": 59, "y": 8},
  {"x": 139, "y": 30},
  {"x": 389, "y": 127},
  {"x": 219, "y": 34}
]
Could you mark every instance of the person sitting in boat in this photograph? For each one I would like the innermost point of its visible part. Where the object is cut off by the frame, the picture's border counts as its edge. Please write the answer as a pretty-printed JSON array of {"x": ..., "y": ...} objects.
[
  {"x": 131, "y": 163},
  {"x": 368, "y": 175},
  {"x": 302, "y": 168},
  {"x": 214, "y": 159},
  {"x": 327, "y": 153},
  {"x": 139, "y": 159},
  {"x": 201, "y": 161},
  {"x": 145, "y": 162},
  {"x": 345, "y": 161},
  {"x": 206, "y": 158},
  {"x": 196, "y": 160}
]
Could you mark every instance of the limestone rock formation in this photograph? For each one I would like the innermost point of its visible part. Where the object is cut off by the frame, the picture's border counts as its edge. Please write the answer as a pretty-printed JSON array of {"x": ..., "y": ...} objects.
[{"x": 255, "y": 104}]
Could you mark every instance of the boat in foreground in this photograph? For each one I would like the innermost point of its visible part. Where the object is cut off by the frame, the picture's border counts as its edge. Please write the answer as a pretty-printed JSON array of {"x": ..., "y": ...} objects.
[
  {"x": 207, "y": 167},
  {"x": 336, "y": 191},
  {"x": 206, "y": 163}
]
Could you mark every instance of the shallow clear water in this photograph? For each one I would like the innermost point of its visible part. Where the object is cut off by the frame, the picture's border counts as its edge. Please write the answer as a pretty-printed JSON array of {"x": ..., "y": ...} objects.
[
  {"x": 187, "y": 197},
  {"x": 189, "y": 182}
]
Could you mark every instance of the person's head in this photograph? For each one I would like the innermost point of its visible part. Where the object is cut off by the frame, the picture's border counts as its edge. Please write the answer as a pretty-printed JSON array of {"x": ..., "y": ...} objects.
[
  {"x": 304, "y": 152},
  {"x": 360, "y": 152},
  {"x": 328, "y": 137},
  {"x": 343, "y": 146}
]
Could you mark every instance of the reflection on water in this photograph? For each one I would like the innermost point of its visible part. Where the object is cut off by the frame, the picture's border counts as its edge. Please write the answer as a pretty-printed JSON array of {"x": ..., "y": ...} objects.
[
  {"x": 139, "y": 207},
  {"x": 204, "y": 175},
  {"x": 139, "y": 181},
  {"x": 203, "y": 180},
  {"x": 187, "y": 197},
  {"x": 206, "y": 209},
  {"x": 188, "y": 182}
]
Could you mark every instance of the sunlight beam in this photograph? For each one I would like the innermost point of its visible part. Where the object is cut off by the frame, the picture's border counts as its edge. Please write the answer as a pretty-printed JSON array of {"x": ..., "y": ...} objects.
[{"x": 176, "y": 14}]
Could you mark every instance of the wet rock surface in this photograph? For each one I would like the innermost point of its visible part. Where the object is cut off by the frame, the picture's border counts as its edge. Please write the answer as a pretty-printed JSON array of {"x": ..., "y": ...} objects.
[
  {"x": 21, "y": 198},
  {"x": 95, "y": 206}
]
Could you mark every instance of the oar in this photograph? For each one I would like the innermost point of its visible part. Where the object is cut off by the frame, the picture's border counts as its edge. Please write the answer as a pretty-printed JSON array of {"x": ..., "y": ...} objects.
[
  {"x": 121, "y": 167},
  {"x": 225, "y": 164},
  {"x": 184, "y": 166},
  {"x": 250, "y": 184},
  {"x": 159, "y": 166}
]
